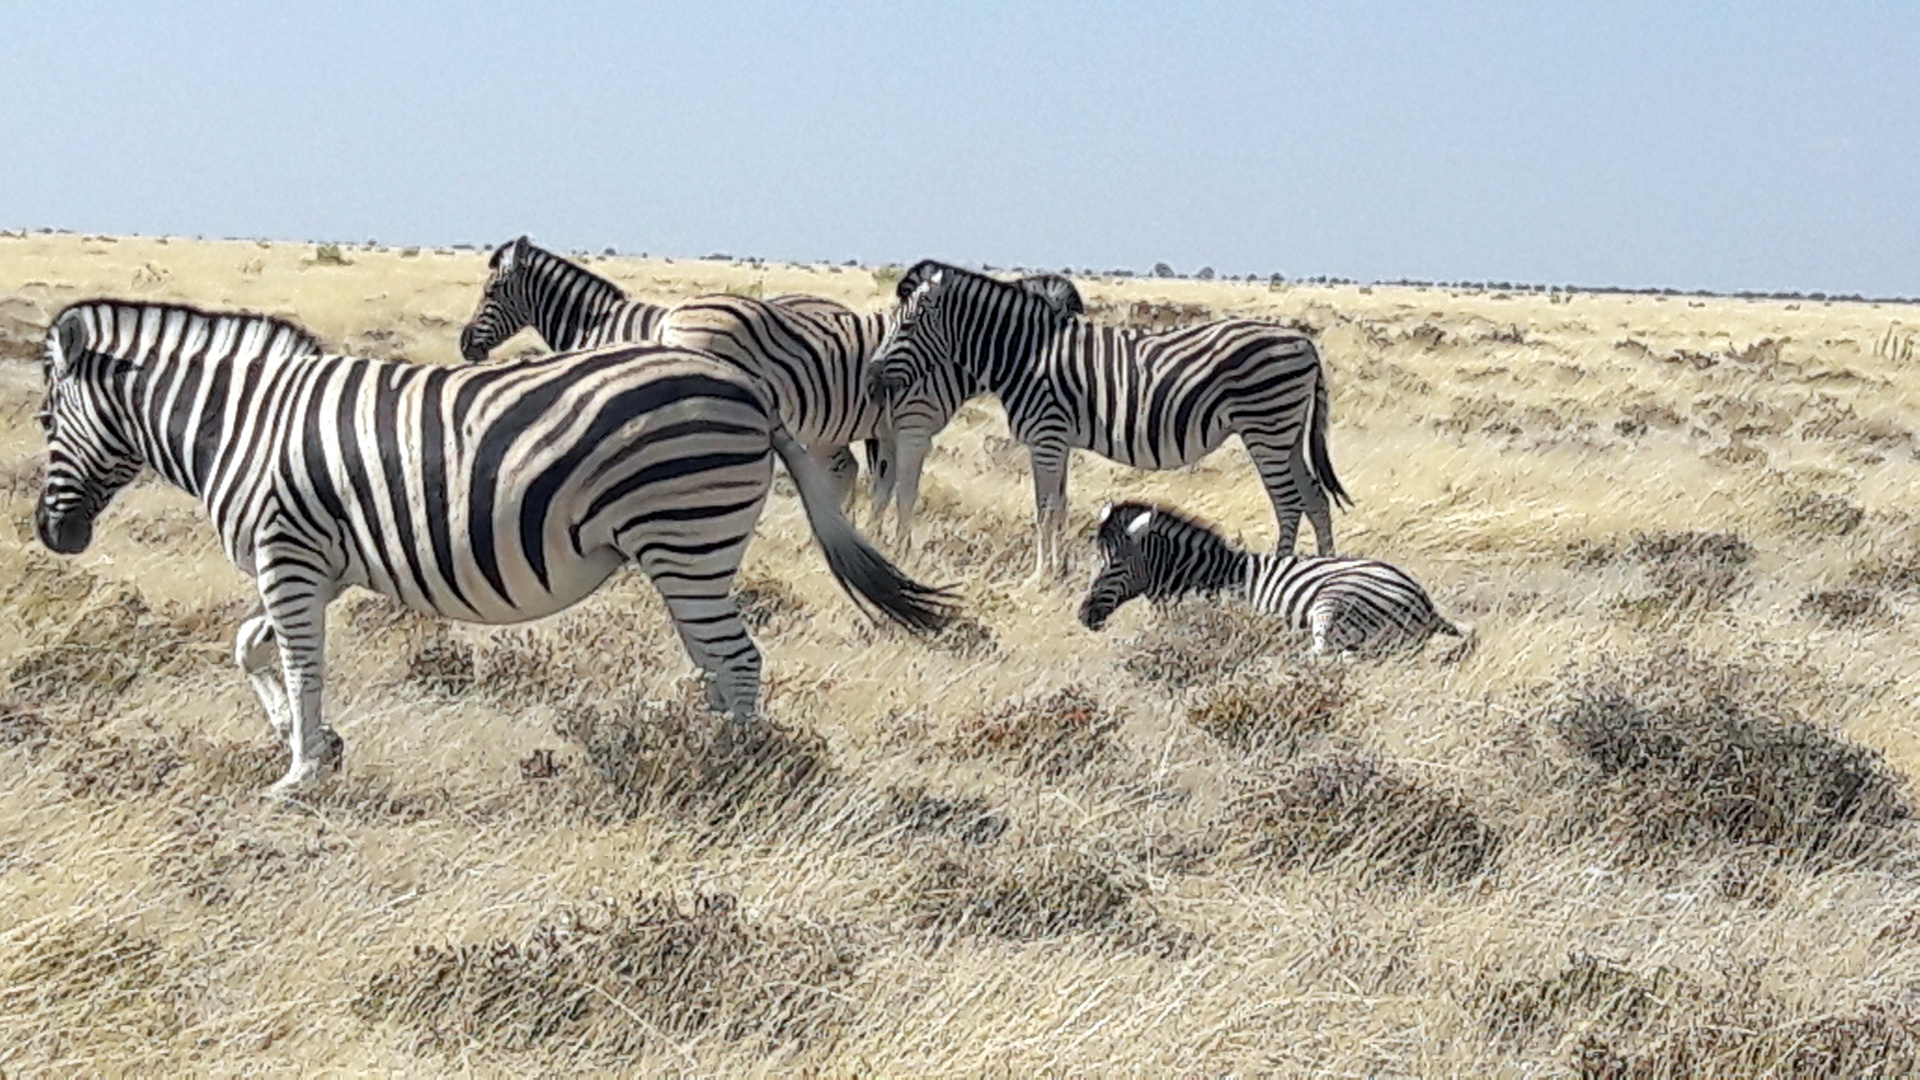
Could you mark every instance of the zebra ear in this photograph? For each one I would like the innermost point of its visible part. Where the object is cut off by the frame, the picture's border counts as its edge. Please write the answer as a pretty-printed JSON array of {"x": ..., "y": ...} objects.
[
  {"x": 1105, "y": 513},
  {"x": 924, "y": 271},
  {"x": 1139, "y": 524},
  {"x": 1056, "y": 290},
  {"x": 510, "y": 254}
]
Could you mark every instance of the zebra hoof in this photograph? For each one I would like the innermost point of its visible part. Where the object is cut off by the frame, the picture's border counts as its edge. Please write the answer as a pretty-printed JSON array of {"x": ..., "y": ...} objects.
[
  {"x": 303, "y": 778},
  {"x": 334, "y": 754}
]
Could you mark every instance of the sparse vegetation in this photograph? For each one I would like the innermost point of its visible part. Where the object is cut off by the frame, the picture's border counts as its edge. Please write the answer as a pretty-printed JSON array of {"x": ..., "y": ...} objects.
[
  {"x": 1657, "y": 824},
  {"x": 1688, "y": 753}
]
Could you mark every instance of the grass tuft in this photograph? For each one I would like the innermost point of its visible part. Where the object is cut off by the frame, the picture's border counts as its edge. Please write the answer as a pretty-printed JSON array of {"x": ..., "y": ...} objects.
[
  {"x": 620, "y": 978},
  {"x": 1352, "y": 807},
  {"x": 1685, "y": 753},
  {"x": 677, "y": 758}
]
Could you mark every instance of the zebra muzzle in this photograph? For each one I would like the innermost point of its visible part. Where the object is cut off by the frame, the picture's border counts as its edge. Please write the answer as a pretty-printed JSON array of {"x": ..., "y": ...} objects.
[{"x": 65, "y": 534}]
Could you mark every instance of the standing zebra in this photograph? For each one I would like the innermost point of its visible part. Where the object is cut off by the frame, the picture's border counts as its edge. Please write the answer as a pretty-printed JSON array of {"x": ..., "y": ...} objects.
[
  {"x": 570, "y": 306},
  {"x": 815, "y": 353},
  {"x": 490, "y": 494},
  {"x": 573, "y": 308},
  {"x": 1151, "y": 400},
  {"x": 1346, "y": 603}
]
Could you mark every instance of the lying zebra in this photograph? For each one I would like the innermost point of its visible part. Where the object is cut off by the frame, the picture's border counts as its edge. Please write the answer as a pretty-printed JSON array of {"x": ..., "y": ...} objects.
[
  {"x": 1348, "y": 604},
  {"x": 491, "y": 494}
]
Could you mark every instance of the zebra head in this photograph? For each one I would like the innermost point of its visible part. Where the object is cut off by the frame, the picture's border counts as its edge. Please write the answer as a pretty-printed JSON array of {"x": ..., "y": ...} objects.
[
  {"x": 1150, "y": 551},
  {"x": 920, "y": 366},
  {"x": 91, "y": 450},
  {"x": 917, "y": 342},
  {"x": 506, "y": 301},
  {"x": 1124, "y": 572}
]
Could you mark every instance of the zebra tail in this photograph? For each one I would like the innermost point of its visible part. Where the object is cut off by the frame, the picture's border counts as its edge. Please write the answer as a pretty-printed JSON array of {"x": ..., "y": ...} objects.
[
  {"x": 1469, "y": 640},
  {"x": 1318, "y": 458},
  {"x": 857, "y": 565}
]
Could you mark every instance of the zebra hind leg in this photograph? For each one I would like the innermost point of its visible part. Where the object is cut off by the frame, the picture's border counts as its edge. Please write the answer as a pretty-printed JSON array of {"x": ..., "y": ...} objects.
[
  {"x": 844, "y": 469},
  {"x": 717, "y": 642},
  {"x": 1292, "y": 490}
]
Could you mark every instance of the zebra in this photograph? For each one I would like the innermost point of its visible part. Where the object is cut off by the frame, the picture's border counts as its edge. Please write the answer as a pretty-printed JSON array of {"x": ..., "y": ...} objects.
[
  {"x": 815, "y": 353},
  {"x": 574, "y": 308},
  {"x": 489, "y": 494},
  {"x": 570, "y": 306},
  {"x": 1154, "y": 400},
  {"x": 1347, "y": 604},
  {"x": 812, "y": 353}
]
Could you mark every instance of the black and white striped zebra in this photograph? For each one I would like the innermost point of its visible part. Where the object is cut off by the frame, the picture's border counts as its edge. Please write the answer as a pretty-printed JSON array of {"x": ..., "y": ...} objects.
[
  {"x": 812, "y": 353},
  {"x": 569, "y": 306},
  {"x": 491, "y": 494},
  {"x": 815, "y": 353},
  {"x": 1151, "y": 400},
  {"x": 1347, "y": 604}
]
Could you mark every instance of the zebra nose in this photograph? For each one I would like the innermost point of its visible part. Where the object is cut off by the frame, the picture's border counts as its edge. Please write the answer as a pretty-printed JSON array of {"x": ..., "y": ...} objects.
[{"x": 67, "y": 534}]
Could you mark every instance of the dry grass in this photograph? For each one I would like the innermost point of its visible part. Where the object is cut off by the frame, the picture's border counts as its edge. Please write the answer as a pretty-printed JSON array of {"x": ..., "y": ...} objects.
[{"x": 1656, "y": 825}]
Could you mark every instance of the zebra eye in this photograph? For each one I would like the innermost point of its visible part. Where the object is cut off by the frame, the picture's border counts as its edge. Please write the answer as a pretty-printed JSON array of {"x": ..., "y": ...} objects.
[{"x": 45, "y": 419}]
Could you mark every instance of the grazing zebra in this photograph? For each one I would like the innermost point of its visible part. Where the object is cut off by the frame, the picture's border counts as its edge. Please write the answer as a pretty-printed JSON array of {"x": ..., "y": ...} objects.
[
  {"x": 814, "y": 353},
  {"x": 1151, "y": 400},
  {"x": 1346, "y": 603},
  {"x": 490, "y": 494},
  {"x": 570, "y": 306},
  {"x": 573, "y": 308}
]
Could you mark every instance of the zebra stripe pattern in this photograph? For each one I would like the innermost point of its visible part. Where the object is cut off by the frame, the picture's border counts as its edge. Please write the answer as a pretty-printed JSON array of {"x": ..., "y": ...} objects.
[
  {"x": 571, "y": 307},
  {"x": 814, "y": 353},
  {"x": 1151, "y": 400},
  {"x": 491, "y": 494},
  {"x": 1347, "y": 604}
]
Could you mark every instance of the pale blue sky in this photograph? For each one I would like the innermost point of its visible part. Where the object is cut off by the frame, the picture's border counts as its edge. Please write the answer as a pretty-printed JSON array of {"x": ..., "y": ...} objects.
[{"x": 1723, "y": 146}]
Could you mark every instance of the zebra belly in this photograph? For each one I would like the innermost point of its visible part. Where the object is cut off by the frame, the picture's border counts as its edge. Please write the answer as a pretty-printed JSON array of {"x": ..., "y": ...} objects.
[{"x": 478, "y": 600}]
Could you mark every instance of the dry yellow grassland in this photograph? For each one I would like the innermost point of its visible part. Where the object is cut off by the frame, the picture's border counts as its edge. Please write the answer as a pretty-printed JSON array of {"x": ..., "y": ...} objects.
[{"x": 1654, "y": 826}]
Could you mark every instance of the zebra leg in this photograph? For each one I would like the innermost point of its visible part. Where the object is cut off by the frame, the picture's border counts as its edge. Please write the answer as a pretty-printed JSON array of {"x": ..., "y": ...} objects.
[
  {"x": 255, "y": 654},
  {"x": 910, "y": 449},
  {"x": 881, "y": 471},
  {"x": 1048, "y": 461},
  {"x": 717, "y": 643},
  {"x": 1291, "y": 489},
  {"x": 843, "y": 469},
  {"x": 296, "y": 596}
]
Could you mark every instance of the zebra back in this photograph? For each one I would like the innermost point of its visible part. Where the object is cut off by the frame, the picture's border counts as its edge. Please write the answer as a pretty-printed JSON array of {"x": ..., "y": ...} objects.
[{"x": 812, "y": 353}]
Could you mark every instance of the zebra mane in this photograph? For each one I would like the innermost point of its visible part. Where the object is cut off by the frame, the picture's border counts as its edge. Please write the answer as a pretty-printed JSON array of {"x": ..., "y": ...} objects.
[
  {"x": 121, "y": 330},
  {"x": 1122, "y": 528},
  {"x": 1056, "y": 291},
  {"x": 531, "y": 259}
]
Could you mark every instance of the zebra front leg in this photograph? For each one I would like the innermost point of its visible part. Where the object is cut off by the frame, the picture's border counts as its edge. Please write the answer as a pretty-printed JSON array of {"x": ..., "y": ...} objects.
[
  {"x": 296, "y": 609},
  {"x": 910, "y": 449},
  {"x": 1048, "y": 461},
  {"x": 255, "y": 654}
]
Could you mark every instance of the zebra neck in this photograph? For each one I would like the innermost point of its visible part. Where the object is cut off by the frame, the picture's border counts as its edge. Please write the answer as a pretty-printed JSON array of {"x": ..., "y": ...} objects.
[
  {"x": 569, "y": 303},
  {"x": 1210, "y": 573},
  {"x": 1253, "y": 569},
  {"x": 179, "y": 415},
  {"x": 1000, "y": 356}
]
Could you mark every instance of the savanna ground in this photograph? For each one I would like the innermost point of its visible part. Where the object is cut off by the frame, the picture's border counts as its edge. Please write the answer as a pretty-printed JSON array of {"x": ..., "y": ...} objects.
[{"x": 1657, "y": 824}]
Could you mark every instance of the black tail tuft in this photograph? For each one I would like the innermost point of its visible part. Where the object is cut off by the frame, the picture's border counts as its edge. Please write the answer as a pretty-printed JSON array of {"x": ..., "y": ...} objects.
[{"x": 1318, "y": 458}]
